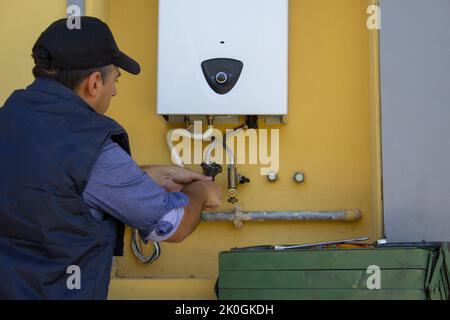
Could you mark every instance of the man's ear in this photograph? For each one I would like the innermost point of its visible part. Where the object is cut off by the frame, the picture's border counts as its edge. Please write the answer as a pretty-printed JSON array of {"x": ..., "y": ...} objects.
[{"x": 93, "y": 82}]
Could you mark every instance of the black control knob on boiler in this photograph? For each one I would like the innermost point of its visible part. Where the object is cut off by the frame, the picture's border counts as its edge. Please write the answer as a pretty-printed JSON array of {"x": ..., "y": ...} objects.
[{"x": 221, "y": 77}]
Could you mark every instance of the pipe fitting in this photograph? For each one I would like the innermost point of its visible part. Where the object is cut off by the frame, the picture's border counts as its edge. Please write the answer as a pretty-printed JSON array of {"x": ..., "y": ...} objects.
[
  {"x": 299, "y": 177},
  {"x": 352, "y": 215},
  {"x": 272, "y": 176}
]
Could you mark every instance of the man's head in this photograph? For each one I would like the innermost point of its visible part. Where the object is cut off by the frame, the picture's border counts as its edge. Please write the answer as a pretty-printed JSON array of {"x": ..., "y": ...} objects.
[
  {"x": 85, "y": 60},
  {"x": 95, "y": 86}
]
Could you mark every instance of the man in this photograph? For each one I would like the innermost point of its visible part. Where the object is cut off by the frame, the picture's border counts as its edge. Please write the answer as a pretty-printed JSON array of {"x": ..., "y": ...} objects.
[{"x": 67, "y": 181}]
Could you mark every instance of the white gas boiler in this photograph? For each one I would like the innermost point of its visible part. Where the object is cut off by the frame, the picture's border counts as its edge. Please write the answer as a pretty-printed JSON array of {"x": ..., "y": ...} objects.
[{"x": 222, "y": 57}]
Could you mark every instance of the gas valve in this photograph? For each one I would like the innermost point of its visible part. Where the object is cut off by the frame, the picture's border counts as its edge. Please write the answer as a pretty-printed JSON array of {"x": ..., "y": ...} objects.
[
  {"x": 233, "y": 179},
  {"x": 211, "y": 170}
]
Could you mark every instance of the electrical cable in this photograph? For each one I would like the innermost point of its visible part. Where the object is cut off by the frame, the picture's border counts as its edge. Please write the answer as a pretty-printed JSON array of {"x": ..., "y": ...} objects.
[{"x": 136, "y": 247}]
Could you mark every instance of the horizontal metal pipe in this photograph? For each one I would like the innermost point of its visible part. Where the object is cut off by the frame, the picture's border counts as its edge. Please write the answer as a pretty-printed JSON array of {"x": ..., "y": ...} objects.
[{"x": 238, "y": 217}]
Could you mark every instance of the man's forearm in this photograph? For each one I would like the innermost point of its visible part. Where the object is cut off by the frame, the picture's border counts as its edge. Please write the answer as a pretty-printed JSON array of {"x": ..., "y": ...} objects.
[
  {"x": 173, "y": 178},
  {"x": 164, "y": 176},
  {"x": 192, "y": 213},
  {"x": 154, "y": 171}
]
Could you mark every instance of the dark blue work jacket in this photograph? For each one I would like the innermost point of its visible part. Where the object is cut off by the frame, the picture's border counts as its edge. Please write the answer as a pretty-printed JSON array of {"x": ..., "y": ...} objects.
[{"x": 50, "y": 246}]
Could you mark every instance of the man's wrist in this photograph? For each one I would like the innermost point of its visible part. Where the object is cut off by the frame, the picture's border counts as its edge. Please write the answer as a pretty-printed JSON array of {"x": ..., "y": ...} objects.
[{"x": 197, "y": 190}]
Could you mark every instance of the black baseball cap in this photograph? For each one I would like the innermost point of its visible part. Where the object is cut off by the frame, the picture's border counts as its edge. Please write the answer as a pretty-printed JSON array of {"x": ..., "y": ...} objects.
[{"x": 92, "y": 46}]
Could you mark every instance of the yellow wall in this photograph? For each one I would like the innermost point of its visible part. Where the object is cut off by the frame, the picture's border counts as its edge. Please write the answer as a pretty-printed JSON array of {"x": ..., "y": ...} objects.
[
  {"x": 21, "y": 23},
  {"x": 332, "y": 135},
  {"x": 97, "y": 8},
  {"x": 329, "y": 135}
]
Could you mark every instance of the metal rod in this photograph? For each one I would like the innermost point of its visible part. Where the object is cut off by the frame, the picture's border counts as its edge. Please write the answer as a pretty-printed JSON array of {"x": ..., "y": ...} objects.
[
  {"x": 306, "y": 245},
  {"x": 239, "y": 217}
]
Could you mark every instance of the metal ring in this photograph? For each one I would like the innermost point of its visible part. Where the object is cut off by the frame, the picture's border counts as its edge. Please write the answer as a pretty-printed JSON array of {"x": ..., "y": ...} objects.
[{"x": 221, "y": 74}]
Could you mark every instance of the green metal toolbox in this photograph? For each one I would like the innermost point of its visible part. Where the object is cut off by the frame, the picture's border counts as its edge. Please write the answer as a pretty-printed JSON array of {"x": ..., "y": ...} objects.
[{"x": 404, "y": 273}]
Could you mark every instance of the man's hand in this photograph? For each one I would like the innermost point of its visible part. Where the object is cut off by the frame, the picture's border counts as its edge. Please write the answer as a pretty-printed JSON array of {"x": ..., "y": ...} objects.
[
  {"x": 203, "y": 195},
  {"x": 173, "y": 179},
  {"x": 209, "y": 192}
]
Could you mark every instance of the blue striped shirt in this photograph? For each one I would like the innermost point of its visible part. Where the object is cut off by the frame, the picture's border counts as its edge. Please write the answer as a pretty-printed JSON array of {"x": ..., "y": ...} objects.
[{"x": 118, "y": 187}]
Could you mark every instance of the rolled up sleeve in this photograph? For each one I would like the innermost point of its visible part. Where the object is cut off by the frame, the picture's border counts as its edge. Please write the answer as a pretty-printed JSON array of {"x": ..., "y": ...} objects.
[{"x": 117, "y": 186}]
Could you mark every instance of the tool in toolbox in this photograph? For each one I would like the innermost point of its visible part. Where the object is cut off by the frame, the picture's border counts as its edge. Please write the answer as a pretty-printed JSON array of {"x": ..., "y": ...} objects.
[{"x": 344, "y": 244}]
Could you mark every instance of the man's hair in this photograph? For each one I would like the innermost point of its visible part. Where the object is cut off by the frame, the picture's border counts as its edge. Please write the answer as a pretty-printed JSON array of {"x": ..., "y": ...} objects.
[{"x": 69, "y": 78}]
